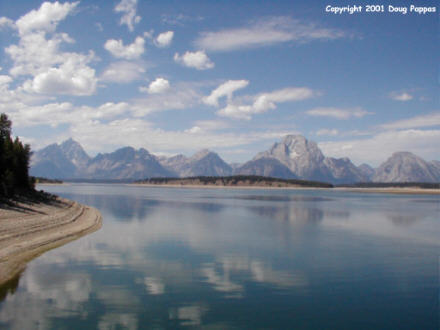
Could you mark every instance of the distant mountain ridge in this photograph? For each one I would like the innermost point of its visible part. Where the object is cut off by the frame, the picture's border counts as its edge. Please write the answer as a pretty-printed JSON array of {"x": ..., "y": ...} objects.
[
  {"x": 294, "y": 157},
  {"x": 407, "y": 167},
  {"x": 69, "y": 161},
  {"x": 202, "y": 163}
]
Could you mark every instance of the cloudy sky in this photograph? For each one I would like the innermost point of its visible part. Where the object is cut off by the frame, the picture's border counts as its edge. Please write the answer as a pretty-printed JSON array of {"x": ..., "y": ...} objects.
[{"x": 231, "y": 76}]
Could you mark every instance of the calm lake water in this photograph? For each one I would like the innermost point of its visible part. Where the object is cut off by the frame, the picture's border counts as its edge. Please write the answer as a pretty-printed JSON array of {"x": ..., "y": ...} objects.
[{"x": 237, "y": 259}]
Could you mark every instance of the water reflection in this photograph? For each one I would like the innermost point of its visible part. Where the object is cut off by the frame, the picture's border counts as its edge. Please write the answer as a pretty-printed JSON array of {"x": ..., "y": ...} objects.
[
  {"x": 9, "y": 287},
  {"x": 180, "y": 259},
  {"x": 188, "y": 315},
  {"x": 295, "y": 214}
]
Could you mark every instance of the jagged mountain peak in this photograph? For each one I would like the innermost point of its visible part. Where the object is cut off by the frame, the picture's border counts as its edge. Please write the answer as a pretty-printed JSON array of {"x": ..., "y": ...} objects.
[
  {"x": 292, "y": 157},
  {"x": 200, "y": 154},
  {"x": 403, "y": 154},
  {"x": 405, "y": 166},
  {"x": 74, "y": 152},
  {"x": 202, "y": 163},
  {"x": 301, "y": 156}
]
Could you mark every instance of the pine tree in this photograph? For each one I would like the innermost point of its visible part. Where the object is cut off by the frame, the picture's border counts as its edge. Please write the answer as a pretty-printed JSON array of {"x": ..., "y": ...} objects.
[{"x": 14, "y": 160}]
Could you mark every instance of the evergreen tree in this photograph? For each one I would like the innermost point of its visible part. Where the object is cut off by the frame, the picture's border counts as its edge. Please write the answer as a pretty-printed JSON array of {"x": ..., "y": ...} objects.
[{"x": 14, "y": 160}]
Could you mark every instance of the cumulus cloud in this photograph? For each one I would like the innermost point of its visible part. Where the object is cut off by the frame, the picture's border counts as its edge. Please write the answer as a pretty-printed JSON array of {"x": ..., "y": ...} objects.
[
  {"x": 128, "y": 10},
  {"x": 46, "y": 18},
  {"x": 403, "y": 97},
  {"x": 123, "y": 72},
  {"x": 72, "y": 77},
  {"x": 338, "y": 113},
  {"x": 129, "y": 52},
  {"x": 55, "y": 114},
  {"x": 265, "y": 32},
  {"x": 194, "y": 130},
  {"x": 198, "y": 60},
  {"x": 38, "y": 55},
  {"x": 226, "y": 89},
  {"x": 7, "y": 22},
  {"x": 157, "y": 86},
  {"x": 35, "y": 53},
  {"x": 5, "y": 80},
  {"x": 266, "y": 101},
  {"x": 429, "y": 120},
  {"x": 164, "y": 39},
  {"x": 176, "y": 97},
  {"x": 52, "y": 114}
]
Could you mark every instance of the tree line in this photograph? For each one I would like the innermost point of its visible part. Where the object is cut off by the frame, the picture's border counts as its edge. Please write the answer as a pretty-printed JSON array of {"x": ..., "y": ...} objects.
[
  {"x": 235, "y": 179},
  {"x": 14, "y": 161}
]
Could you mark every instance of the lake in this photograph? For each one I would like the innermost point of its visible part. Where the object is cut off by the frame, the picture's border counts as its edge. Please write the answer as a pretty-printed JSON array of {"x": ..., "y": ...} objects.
[{"x": 237, "y": 259}]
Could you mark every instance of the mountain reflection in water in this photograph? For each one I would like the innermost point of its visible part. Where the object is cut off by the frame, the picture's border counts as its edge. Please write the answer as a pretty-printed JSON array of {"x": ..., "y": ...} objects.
[{"x": 175, "y": 258}]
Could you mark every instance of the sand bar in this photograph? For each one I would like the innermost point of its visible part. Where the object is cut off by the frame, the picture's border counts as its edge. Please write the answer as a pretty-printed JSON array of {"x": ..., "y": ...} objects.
[{"x": 29, "y": 229}]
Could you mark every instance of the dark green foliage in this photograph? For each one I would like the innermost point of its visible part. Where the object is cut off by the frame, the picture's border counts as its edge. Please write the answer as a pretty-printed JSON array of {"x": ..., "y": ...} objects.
[
  {"x": 39, "y": 179},
  {"x": 233, "y": 180},
  {"x": 14, "y": 161}
]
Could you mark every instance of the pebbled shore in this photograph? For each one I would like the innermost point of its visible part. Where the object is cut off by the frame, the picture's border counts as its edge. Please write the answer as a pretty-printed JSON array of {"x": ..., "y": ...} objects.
[{"x": 29, "y": 229}]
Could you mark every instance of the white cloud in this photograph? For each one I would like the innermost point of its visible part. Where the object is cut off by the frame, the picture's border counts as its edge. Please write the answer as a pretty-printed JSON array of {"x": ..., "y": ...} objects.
[
  {"x": 154, "y": 285},
  {"x": 37, "y": 55},
  {"x": 338, "y": 113},
  {"x": 236, "y": 111},
  {"x": 52, "y": 114},
  {"x": 194, "y": 130},
  {"x": 5, "y": 80},
  {"x": 266, "y": 101},
  {"x": 403, "y": 97},
  {"x": 97, "y": 136},
  {"x": 128, "y": 10},
  {"x": 207, "y": 126},
  {"x": 177, "y": 97},
  {"x": 429, "y": 120},
  {"x": 226, "y": 89},
  {"x": 46, "y": 18},
  {"x": 123, "y": 72},
  {"x": 157, "y": 86},
  {"x": 7, "y": 22},
  {"x": 378, "y": 148},
  {"x": 72, "y": 78},
  {"x": 328, "y": 132},
  {"x": 164, "y": 39},
  {"x": 265, "y": 32},
  {"x": 55, "y": 114},
  {"x": 198, "y": 60},
  {"x": 129, "y": 52},
  {"x": 212, "y": 125}
]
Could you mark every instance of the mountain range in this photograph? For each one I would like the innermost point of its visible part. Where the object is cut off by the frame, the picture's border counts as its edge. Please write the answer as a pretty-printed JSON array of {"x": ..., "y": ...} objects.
[{"x": 294, "y": 157}]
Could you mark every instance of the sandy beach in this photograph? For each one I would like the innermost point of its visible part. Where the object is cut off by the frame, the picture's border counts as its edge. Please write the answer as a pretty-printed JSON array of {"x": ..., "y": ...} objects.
[{"x": 29, "y": 229}]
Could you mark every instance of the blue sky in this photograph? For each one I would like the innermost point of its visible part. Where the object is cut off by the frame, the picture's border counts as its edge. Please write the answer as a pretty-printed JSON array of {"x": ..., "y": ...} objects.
[{"x": 230, "y": 76}]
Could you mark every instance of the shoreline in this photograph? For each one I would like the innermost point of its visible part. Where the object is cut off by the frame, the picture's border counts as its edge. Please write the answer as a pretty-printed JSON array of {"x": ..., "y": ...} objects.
[
  {"x": 27, "y": 230},
  {"x": 390, "y": 190}
]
